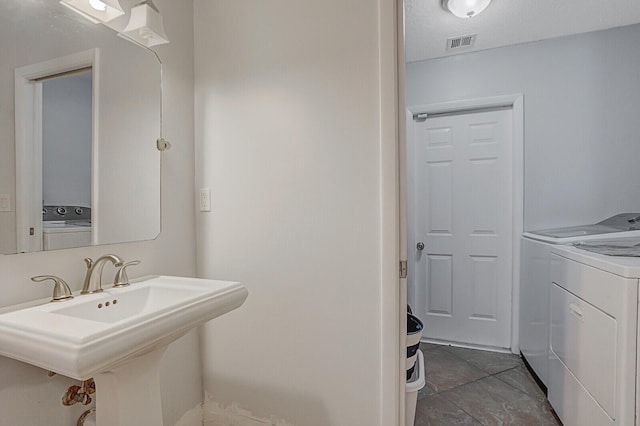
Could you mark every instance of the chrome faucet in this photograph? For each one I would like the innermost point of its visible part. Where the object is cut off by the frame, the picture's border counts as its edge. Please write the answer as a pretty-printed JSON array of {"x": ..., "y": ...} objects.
[
  {"x": 93, "y": 279},
  {"x": 122, "y": 279}
]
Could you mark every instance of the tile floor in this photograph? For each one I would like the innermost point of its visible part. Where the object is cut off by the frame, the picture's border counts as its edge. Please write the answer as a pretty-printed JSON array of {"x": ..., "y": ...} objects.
[{"x": 473, "y": 387}]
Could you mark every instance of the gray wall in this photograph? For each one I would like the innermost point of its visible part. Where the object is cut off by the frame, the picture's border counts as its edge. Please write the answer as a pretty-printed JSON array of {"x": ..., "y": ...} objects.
[{"x": 582, "y": 128}]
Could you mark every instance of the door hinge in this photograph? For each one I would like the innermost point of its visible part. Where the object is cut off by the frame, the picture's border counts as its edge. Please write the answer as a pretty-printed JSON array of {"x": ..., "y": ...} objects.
[
  {"x": 420, "y": 116},
  {"x": 403, "y": 269}
]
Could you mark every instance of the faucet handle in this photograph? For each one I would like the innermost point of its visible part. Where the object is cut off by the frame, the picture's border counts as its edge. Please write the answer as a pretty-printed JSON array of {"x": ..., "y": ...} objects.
[
  {"x": 121, "y": 279},
  {"x": 61, "y": 290}
]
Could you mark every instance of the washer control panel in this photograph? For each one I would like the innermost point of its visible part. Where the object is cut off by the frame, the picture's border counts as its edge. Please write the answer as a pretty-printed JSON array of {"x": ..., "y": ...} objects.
[{"x": 66, "y": 213}]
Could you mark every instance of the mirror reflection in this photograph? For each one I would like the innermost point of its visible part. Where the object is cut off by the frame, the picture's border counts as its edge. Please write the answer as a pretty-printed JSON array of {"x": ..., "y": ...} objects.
[
  {"x": 79, "y": 119},
  {"x": 66, "y": 159}
]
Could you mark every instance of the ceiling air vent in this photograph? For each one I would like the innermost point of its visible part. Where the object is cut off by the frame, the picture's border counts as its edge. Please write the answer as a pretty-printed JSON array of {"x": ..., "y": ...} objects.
[{"x": 460, "y": 42}]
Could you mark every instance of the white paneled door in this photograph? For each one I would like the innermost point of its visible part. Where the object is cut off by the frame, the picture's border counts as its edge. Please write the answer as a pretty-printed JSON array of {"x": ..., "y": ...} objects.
[{"x": 464, "y": 191}]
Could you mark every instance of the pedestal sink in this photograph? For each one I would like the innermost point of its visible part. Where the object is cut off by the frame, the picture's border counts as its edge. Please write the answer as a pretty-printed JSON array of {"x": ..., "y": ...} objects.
[{"x": 117, "y": 337}]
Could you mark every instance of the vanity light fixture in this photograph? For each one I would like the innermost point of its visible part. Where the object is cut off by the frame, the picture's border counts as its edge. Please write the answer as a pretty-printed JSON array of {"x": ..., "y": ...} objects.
[
  {"x": 95, "y": 10},
  {"x": 465, "y": 8},
  {"x": 98, "y": 5},
  {"x": 145, "y": 25}
]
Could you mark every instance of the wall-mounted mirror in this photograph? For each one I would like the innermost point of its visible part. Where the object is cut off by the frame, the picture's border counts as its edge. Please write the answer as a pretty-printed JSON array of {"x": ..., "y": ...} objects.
[{"x": 80, "y": 112}]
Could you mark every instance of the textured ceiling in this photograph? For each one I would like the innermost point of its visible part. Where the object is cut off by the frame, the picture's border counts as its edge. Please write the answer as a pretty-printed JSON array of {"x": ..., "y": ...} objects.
[{"x": 507, "y": 22}]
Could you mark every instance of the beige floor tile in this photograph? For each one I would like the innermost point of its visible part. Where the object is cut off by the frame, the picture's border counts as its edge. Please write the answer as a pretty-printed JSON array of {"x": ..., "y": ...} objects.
[
  {"x": 425, "y": 391},
  {"x": 445, "y": 371},
  {"x": 520, "y": 379},
  {"x": 489, "y": 362},
  {"x": 493, "y": 402},
  {"x": 429, "y": 346},
  {"x": 434, "y": 410}
]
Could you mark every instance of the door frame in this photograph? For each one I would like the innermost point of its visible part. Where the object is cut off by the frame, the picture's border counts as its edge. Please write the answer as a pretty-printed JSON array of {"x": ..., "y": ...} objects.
[
  {"x": 28, "y": 142},
  {"x": 516, "y": 103},
  {"x": 392, "y": 295}
]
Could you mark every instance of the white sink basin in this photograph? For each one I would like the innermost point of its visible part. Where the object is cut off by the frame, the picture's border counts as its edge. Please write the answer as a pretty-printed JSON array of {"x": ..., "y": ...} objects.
[{"x": 95, "y": 333}]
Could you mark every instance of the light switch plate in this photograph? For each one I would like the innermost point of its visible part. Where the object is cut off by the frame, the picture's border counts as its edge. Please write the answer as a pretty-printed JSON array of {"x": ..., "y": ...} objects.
[
  {"x": 205, "y": 200},
  {"x": 5, "y": 203}
]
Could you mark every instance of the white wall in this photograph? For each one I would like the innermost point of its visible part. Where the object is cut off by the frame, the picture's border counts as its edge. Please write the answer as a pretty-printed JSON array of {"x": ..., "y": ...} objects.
[
  {"x": 289, "y": 97},
  {"x": 66, "y": 140},
  {"x": 7, "y": 132},
  {"x": 27, "y": 396},
  {"x": 581, "y": 128}
]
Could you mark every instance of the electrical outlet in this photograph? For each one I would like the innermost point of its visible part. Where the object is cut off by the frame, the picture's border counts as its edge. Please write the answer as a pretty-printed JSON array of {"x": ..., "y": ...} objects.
[
  {"x": 205, "y": 200},
  {"x": 5, "y": 203}
]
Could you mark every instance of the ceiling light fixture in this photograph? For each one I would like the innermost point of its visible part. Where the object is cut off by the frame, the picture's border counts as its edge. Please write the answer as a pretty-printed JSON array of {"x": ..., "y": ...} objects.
[
  {"x": 465, "y": 8},
  {"x": 145, "y": 25},
  {"x": 95, "y": 10}
]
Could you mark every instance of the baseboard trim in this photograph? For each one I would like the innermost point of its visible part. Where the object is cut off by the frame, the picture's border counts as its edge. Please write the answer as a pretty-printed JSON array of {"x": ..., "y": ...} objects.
[
  {"x": 193, "y": 417},
  {"x": 541, "y": 385},
  {"x": 467, "y": 345},
  {"x": 216, "y": 414}
]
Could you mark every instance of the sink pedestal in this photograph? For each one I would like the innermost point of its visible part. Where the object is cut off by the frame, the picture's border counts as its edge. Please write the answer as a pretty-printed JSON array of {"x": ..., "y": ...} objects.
[{"x": 129, "y": 395}]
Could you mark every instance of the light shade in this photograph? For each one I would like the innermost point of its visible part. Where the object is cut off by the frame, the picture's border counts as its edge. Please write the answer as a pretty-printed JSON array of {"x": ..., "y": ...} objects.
[
  {"x": 465, "y": 8},
  {"x": 95, "y": 10},
  {"x": 145, "y": 25}
]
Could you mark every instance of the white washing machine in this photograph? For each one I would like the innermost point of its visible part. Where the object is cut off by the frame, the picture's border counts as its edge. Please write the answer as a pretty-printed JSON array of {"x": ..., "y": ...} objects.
[
  {"x": 65, "y": 227},
  {"x": 536, "y": 249},
  {"x": 61, "y": 235}
]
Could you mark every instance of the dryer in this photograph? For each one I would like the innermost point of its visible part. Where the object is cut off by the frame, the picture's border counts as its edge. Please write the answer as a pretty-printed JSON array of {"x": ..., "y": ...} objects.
[
  {"x": 593, "y": 367},
  {"x": 536, "y": 249}
]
